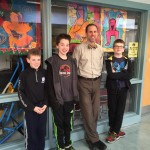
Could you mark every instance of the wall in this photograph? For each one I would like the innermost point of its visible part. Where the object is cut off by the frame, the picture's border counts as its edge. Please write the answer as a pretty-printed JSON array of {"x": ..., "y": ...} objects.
[
  {"x": 141, "y": 1},
  {"x": 146, "y": 89}
]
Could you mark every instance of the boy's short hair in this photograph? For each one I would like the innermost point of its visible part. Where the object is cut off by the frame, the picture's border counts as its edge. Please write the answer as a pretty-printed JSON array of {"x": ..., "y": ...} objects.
[
  {"x": 34, "y": 51},
  {"x": 118, "y": 41},
  {"x": 62, "y": 36},
  {"x": 89, "y": 25}
]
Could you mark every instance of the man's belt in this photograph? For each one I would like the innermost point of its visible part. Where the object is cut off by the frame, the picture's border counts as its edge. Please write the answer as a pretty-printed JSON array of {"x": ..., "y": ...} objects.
[{"x": 90, "y": 79}]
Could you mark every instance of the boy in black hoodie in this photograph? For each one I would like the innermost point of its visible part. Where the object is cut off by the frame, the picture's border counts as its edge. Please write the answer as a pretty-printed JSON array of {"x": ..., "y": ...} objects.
[
  {"x": 61, "y": 81},
  {"x": 33, "y": 100},
  {"x": 118, "y": 82}
]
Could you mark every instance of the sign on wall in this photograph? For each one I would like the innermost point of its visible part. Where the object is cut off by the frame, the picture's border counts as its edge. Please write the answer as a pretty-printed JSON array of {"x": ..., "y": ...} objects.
[{"x": 133, "y": 49}]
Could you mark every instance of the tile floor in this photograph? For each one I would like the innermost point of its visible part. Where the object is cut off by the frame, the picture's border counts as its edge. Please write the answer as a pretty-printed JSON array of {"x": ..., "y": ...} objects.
[{"x": 137, "y": 138}]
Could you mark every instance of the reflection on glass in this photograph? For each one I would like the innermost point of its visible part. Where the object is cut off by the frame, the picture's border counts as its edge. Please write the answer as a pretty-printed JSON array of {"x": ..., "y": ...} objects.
[
  {"x": 9, "y": 76},
  {"x": 20, "y": 30},
  {"x": 11, "y": 122},
  {"x": 19, "y": 27},
  {"x": 132, "y": 98},
  {"x": 124, "y": 21}
]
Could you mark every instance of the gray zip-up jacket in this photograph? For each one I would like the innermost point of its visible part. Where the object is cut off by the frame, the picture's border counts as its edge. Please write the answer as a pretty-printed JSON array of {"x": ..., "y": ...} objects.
[{"x": 53, "y": 84}]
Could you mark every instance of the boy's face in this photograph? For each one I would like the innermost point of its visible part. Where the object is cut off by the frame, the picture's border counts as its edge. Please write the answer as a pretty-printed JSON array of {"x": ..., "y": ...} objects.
[
  {"x": 34, "y": 61},
  {"x": 92, "y": 34},
  {"x": 118, "y": 48},
  {"x": 63, "y": 47}
]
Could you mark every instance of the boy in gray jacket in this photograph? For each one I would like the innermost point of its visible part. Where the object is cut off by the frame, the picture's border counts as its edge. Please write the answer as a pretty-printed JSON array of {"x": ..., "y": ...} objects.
[{"x": 61, "y": 81}]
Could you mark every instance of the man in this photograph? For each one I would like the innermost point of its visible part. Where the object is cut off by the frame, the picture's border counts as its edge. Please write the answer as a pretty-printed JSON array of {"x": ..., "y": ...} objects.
[{"x": 89, "y": 57}]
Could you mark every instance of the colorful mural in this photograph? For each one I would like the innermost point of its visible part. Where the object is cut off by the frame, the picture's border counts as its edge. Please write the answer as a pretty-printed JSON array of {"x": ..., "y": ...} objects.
[
  {"x": 19, "y": 27},
  {"x": 113, "y": 26},
  {"x": 79, "y": 16}
]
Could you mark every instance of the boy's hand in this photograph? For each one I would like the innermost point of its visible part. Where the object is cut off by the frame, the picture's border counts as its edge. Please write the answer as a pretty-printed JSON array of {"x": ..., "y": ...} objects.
[
  {"x": 44, "y": 108},
  {"x": 38, "y": 110},
  {"x": 113, "y": 71}
]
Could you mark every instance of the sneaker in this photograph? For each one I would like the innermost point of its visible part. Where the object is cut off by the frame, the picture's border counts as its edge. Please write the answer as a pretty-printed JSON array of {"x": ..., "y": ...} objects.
[
  {"x": 112, "y": 137},
  {"x": 110, "y": 131},
  {"x": 121, "y": 134},
  {"x": 77, "y": 107},
  {"x": 69, "y": 147}
]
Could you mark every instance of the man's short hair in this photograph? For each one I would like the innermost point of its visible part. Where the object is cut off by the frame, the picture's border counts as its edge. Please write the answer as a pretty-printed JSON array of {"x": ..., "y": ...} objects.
[
  {"x": 62, "y": 36},
  {"x": 89, "y": 25},
  {"x": 34, "y": 51}
]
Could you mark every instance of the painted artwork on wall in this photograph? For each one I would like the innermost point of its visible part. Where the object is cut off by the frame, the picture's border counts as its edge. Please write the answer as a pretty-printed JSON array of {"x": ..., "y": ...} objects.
[
  {"x": 113, "y": 26},
  {"x": 79, "y": 16},
  {"x": 19, "y": 26}
]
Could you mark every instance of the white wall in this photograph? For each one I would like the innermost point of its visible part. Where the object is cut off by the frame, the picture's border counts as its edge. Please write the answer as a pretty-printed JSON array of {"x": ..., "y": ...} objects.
[{"x": 141, "y": 1}]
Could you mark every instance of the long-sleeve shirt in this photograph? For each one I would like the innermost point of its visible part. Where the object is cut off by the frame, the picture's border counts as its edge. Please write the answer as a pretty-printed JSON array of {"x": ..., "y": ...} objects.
[
  {"x": 31, "y": 88},
  {"x": 89, "y": 61}
]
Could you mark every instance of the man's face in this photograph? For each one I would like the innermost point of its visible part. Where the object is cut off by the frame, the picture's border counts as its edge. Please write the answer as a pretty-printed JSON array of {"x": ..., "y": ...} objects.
[
  {"x": 63, "y": 47},
  {"x": 119, "y": 48},
  {"x": 92, "y": 34},
  {"x": 34, "y": 61}
]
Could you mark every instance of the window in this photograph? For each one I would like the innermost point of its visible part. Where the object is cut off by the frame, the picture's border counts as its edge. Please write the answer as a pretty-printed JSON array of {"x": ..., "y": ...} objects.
[
  {"x": 113, "y": 23},
  {"x": 20, "y": 30}
]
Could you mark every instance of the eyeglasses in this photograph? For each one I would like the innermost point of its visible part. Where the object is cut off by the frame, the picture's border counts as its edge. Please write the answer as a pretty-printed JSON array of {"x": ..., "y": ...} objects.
[{"x": 119, "y": 46}]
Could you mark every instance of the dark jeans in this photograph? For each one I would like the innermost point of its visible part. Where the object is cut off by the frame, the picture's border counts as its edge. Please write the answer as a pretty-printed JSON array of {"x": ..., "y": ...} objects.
[
  {"x": 116, "y": 107},
  {"x": 63, "y": 124},
  {"x": 35, "y": 130}
]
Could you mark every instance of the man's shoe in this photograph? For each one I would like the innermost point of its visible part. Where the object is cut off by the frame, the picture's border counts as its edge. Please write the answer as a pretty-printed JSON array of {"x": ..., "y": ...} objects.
[
  {"x": 102, "y": 145},
  {"x": 89, "y": 144},
  {"x": 99, "y": 145},
  {"x": 113, "y": 137},
  {"x": 95, "y": 146}
]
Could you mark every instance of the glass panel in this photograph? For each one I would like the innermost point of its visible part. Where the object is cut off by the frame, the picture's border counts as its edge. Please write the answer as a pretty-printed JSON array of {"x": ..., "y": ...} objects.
[
  {"x": 133, "y": 98},
  {"x": 20, "y": 30},
  {"x": 11, "y": 122},
  {"x": 132, "y": 35},
  {"x": 71, "y": 18}
]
